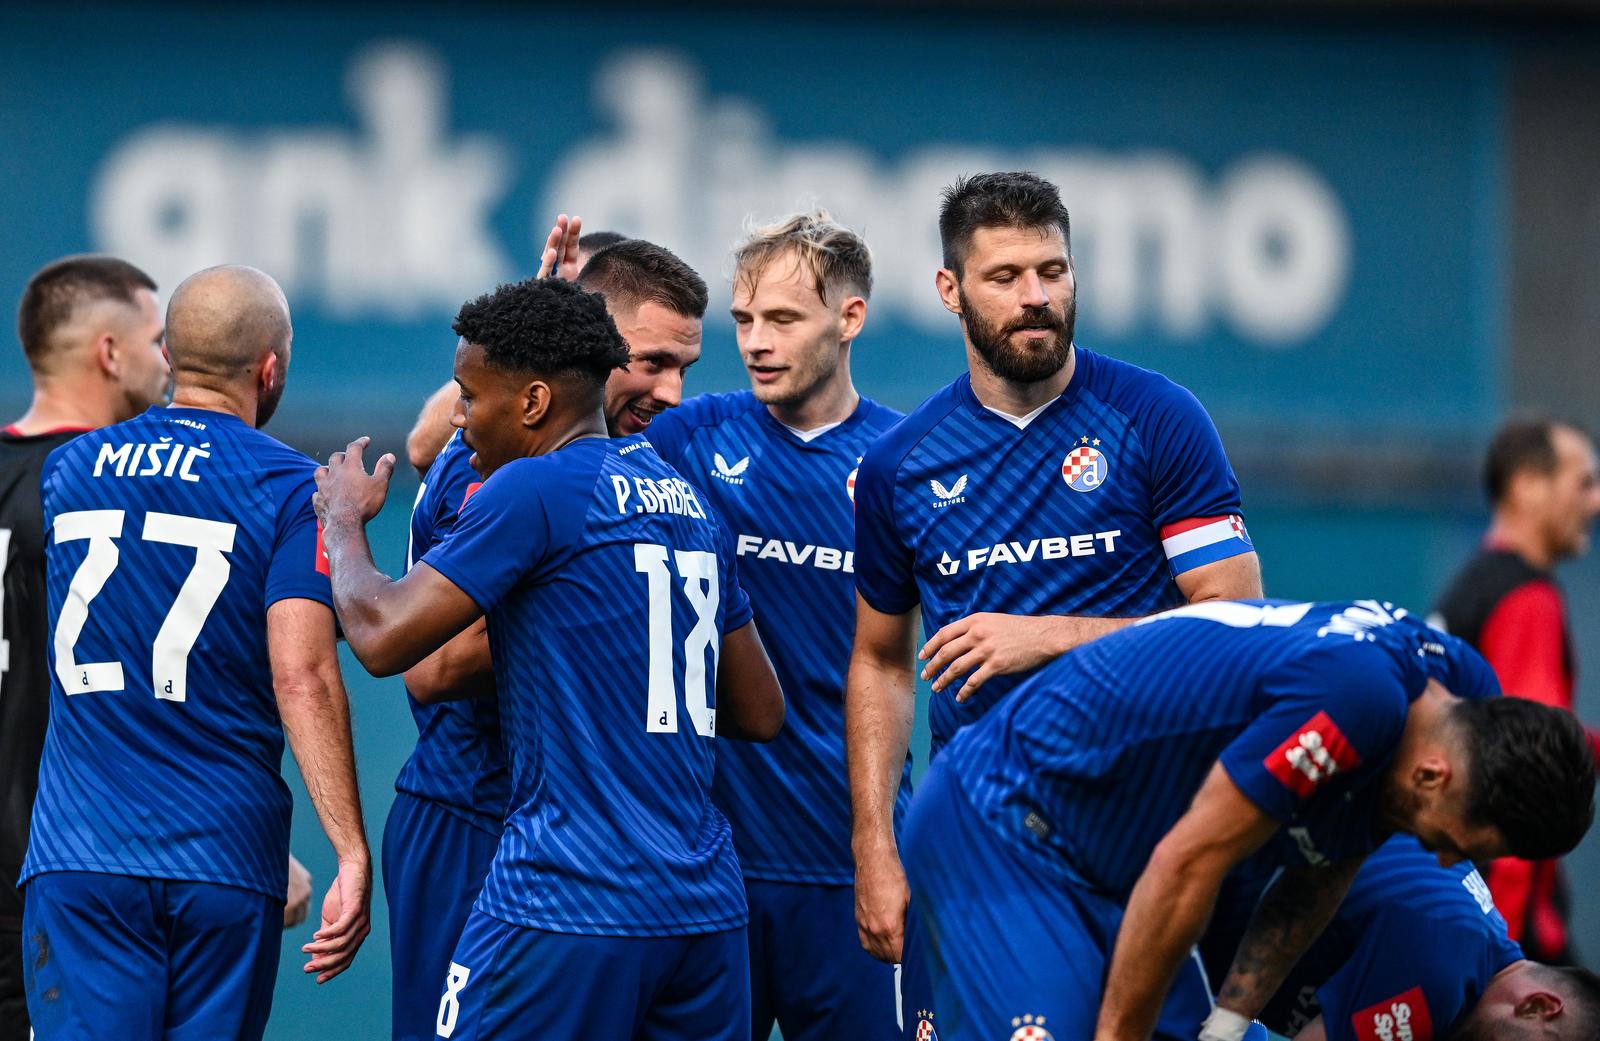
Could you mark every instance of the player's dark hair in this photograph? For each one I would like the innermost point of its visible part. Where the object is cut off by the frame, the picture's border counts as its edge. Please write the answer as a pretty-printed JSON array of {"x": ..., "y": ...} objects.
[
  {"x": 60, "y": 287},
  {"x": 546, "y": 326},
  {"x": 997, "y": 200},
  {"x": 634, "y": 272},
  {"x": 1526, "y": 441},
  {"x": 596, "y": 241},
  {"x": 1530, "y": 773}
]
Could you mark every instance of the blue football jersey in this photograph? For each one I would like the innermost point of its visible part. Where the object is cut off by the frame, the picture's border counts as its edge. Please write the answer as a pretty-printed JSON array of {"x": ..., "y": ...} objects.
[
  {"x": 1094, "y": 758},
  {"x": 170, "y": 536},
  {"x": 458, "y": 762},
  {"x": 1092, "y": 508},
  {"x": 608, "y": 585},
  {"x": 788, "y": 502},
  {"x": 1408, "y": 953}
]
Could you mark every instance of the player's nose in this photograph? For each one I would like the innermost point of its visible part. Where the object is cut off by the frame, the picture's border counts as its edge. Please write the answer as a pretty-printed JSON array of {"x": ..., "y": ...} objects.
[
  {"x": 668, "y": 389},
  {"x": 1033, "y": 293}
]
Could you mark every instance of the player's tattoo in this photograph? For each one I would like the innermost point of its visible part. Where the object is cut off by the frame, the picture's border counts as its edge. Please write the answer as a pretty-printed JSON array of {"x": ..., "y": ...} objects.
[{"x": 1291, "y": 914}]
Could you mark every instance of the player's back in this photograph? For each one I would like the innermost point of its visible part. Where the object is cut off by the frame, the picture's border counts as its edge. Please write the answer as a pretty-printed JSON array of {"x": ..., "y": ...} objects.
[
  {"x": 1411, "y": 940},
  {"x": 608, "y": 585},
  {"x": 1101, "y": 751},
  {"x": 170, "y": 534}
]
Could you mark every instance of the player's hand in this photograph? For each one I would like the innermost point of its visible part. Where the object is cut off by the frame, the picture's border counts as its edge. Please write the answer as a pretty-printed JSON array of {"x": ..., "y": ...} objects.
[
  {"x": 982, "y": 646},
  {"x": 882, "y": 896},
  {"x": 346, "y": 920},
  {"x": 344, "y": 488},
  {"x": 560, "y": 256},
  {"x": 297, "y": 901}
]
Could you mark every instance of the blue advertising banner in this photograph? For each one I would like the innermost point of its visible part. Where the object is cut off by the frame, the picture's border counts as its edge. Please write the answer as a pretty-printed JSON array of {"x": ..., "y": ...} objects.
[{"x": 1303, "y": 226}]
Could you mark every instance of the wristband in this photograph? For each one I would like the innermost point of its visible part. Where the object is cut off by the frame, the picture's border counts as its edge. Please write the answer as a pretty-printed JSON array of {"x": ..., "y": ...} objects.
[{"x": 1224, "y": 1025}]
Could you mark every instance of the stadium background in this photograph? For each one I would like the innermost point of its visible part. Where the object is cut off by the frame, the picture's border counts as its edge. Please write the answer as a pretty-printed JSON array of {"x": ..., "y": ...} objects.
[{"x": 1358, "y": 232}]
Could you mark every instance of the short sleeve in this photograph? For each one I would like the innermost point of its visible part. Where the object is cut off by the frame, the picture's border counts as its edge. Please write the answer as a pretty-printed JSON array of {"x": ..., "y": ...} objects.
[
  {"x": 736, "y": 609},
  {"x": 1195, "y": 495},
  {"x": 299, "y": 566},
  {"x": 451, "y": 480},
  {"x": 885, "y": 566},
  {"x": 1400, "y": 981},
  {"x": 1332, "y": 718},
  {"x": 504, "y": 534}
]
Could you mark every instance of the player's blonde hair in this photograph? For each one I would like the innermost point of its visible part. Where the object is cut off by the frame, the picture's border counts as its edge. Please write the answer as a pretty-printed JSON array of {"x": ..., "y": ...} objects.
[{"x": 836, "y": 257}]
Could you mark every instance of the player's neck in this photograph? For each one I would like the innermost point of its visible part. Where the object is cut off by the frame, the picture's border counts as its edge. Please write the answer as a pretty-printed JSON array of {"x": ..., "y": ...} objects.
[
  {"x": 833, "y": 402},
  {"x": 55, "y": 409},
  {"x": 1521, "y": 534},
  {"x": 214, "y": 399},
  {"x": 1013, "y": 398}
]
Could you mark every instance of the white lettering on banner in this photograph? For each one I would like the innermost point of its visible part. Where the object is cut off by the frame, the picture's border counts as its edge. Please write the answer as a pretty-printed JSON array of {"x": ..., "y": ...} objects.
[
  {"x": 393, "y": 220},
  {"x": 1265, "y": 248},
  {"x": 395, "y": 217}
]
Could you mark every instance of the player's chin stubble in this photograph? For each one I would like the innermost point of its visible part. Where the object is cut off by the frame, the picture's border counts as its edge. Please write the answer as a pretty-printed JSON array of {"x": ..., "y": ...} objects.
[{"x": 1022, "y": 364}]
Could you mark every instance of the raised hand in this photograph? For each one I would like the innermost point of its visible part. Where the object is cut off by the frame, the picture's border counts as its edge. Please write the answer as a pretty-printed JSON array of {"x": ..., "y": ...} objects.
[
  {"x": 560, "y": 256},
  {"x": 345, "y": 490}
]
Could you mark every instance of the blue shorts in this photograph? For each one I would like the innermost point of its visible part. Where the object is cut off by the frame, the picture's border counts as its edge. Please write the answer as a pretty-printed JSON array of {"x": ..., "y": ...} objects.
[
  {"x": 434, "y": 863},
  {"x": 109, "y": 956},
  {"x": 507, "y": 981},
  {"x": 808, "y": 971},
  {"x": 1001, "y": 942}
]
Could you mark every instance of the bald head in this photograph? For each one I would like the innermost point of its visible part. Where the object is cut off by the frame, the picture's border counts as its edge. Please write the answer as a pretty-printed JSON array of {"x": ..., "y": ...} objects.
[
  {"x": 222, "y": 320},
  {"x": 228, "y": 338}
]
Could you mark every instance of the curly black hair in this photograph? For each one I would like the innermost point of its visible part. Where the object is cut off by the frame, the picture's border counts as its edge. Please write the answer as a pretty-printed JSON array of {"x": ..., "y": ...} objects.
[
  {"x": 1530, "y": 773},
  {"x": 544, "y": 325}
]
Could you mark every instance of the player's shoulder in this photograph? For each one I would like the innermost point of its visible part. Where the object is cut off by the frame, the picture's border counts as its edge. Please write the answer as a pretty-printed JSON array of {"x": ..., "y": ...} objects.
[
  {"x": 1141, "y": 394},
  {"x": 901, "y": 437},
  {"x": 705, "y": 410}
]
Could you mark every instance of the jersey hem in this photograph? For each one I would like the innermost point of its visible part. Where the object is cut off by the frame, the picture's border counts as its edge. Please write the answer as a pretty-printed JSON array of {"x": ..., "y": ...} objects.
[
  {"x": 165, "y": 874},
  {"x": 553, "y": 925},
  {"x": 485, "y": 822}
]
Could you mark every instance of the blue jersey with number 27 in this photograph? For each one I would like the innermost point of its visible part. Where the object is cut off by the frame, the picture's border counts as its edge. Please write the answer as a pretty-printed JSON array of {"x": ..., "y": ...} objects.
[
  {"x": 170, "y": 536},
  {"x": 608, "y": 585}
]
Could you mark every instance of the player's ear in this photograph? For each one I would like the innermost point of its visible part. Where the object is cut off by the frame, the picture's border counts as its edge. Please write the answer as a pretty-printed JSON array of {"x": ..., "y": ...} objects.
[
  {"x": 1431, "y": 772},
  {"x": 269, "y": 373},
  {"x": 108, "y": 355},
  {"x": 852, "y": 316},
  {"x": 1541, "y": 1004},
  {"x": 948, "y": 283},
  {"x": 535, "y": 403}
]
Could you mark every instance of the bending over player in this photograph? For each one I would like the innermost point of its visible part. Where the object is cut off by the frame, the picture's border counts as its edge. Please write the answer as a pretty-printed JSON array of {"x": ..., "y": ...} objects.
[
  {"x": 1065, "y": 852},
  {"x": 622, "y": 645},
  {"x": 1415, "y": 950}
]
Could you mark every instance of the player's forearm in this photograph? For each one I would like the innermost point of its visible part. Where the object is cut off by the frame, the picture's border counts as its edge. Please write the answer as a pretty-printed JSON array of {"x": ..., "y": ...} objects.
[
  {"x": 752, "y": 705},
  {"x": 373, "y": 616},
  {"x": 1166, "y": 915},
  {"x": 316, "y": 719},
  {"x": 460, "y": 669},
  {"x": 879, "y": 709},
  {"x": 1292, "y": 913}
]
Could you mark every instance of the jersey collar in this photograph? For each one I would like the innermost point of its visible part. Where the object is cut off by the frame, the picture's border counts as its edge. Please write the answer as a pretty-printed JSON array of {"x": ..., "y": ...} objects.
[{"x": 1084, "y": 362}]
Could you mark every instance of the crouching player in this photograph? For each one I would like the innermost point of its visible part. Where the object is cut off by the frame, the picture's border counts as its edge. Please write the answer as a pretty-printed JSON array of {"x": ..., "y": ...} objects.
[
  {"x": 621, "y": 644},
  {"x": 1415, "y": 950},
  {"x": 1065, "y": 852}
]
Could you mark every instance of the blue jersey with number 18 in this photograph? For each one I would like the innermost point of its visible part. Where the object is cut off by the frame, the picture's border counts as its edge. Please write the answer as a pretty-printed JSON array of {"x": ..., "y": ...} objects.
[
  {"x": 608, "y": 585},
  {"x": 170, "y": 535}
]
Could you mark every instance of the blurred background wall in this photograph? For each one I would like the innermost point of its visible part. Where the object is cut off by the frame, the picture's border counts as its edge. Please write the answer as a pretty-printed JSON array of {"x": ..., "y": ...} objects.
[{"x": 1359, "y": 232}]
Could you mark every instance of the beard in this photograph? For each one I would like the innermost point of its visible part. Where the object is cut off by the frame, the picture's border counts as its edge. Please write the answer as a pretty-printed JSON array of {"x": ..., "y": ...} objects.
[{"x": 1027, "y": 364}]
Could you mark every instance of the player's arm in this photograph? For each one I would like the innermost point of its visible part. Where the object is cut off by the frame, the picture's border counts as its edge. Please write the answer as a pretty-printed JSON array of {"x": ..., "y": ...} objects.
[
  {"x": 461, "y": 669},
  {"x": 1172, "y": 902},
  {"x": 879, "y": 707},
  {"x": 984, "y": 645},
  {"x": 389, "y": 625},
  {"x": 749, "y": 701},
  {"x": 316, "y": 718},
  {"x": 1316, "y": 1030},
  {"x": 1292, "y": 913},
  {"x": 432, "y": 429}
]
